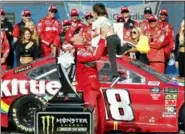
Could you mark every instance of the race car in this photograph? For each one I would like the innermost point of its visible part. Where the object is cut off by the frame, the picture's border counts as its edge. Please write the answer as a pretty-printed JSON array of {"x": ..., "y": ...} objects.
[{"x": 143, "y": 100}]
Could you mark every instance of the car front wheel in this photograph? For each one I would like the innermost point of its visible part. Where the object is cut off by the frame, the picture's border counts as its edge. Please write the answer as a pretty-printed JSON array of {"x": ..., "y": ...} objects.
[{"x": 23, "y": 110}]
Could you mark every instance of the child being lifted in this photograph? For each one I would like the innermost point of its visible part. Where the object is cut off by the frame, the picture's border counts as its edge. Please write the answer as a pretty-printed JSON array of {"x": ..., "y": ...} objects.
[{"x": 103, "y": 27}]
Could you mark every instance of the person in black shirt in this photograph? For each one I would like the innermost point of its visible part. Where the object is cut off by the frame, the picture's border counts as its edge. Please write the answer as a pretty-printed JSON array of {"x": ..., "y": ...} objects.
[
  {"x": 26, "y": 17},
  {"x": 26, "y": 48},
  {"x": 7, "y": 27}
]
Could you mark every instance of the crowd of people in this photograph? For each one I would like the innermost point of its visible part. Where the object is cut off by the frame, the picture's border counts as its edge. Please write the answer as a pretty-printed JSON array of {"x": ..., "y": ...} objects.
[{"x": 27, "y": 41}]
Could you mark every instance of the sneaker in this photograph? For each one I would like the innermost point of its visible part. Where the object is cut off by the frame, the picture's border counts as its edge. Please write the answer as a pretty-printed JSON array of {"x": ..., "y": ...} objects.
[{"x": 114, "y": 80}]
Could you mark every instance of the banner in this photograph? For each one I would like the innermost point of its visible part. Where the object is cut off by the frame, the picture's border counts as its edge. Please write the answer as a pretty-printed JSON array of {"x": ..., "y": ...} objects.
[{"x": 136, "y": 11}]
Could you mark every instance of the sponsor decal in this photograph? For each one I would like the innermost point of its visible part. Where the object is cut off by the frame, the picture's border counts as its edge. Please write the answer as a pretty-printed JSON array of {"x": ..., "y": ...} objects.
[
  {"x": 168, "y": 114},
  {"x": 171, "y": 96},
  {"x": 155, "y": 93},
  {"x": 155, "y": 96},
  {"x": 153, "y": 83},
  {"x": 170, "y": 102},
  {"x": 155, "y": 90},
  {"x": 61, "y": 122},
  {"x": 22, "y": 69},
  {"x": 23, "y": 87},
  {"x": 170, "y": 109},
  {"x": 170, "y": 90}
]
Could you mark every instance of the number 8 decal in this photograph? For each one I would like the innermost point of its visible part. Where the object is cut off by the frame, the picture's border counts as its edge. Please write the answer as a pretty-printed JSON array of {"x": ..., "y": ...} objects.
[{"x": 122, "y": 104}]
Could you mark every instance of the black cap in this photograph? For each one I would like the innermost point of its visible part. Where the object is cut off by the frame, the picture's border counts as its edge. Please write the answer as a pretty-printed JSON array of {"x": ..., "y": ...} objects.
[{"x": 148, "y": 10}]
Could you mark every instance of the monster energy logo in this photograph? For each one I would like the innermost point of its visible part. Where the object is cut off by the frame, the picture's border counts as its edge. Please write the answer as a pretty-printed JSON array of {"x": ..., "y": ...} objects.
[{"x": 47, "y": 123}]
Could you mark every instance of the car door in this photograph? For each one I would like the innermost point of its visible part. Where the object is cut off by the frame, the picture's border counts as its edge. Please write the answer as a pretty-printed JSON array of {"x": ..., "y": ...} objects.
[{"x": 129, "y": 102}]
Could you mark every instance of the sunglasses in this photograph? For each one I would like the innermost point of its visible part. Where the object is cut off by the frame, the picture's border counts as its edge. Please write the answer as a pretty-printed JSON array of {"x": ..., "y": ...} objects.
[
  {"x": 89, "y": 17},
  {"x": 150, "y": 21},
  {"x": 124, "y": 11},
  {"x": 53, "y": 11},
  {"x": 163, "y": 14},
  {"x": 28, "y": 15},
  {"x": 67, "y": 25},
  {"x": 133, "y": 32},
  {"x": 147, "y": 12}
]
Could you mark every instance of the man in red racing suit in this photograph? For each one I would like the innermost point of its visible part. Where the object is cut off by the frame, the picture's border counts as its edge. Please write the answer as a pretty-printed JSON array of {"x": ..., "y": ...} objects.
[
  {"x": 5, "y": 48},
  {"x": 87, "y": 76},
  {"x": 49, "y": 29},
  {"x": 169, "y": 33},
  {"x": 157, "y": 41},
  {"x": 144, "y": 24}
]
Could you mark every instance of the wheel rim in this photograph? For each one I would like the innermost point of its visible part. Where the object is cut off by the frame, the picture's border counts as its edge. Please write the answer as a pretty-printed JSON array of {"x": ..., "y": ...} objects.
[{"x": 27, "y": 112}]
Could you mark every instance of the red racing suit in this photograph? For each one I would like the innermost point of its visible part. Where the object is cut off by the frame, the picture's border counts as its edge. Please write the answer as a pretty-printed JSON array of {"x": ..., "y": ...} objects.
[
  {"x": 17, "y": 29},
  {"x": 49, "y": 30},
  {"x": 87, "y": 32},
  {"x": 144, "y": 25},
  {"x": 158, "y": 41},
  {"x": 170, "y": 35},
  {"x": 5, "y": 49},
  {"x": 78, "y": 23},
  {"x": 88, "y": 83}
]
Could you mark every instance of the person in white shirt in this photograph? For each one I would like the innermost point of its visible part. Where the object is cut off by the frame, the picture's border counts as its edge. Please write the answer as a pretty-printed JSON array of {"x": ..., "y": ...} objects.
[{"x": 103, "y": 26}]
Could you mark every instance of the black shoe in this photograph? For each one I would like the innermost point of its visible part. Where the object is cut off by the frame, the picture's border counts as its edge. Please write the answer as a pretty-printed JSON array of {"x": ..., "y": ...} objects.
[{"x": 114, "y": 80}]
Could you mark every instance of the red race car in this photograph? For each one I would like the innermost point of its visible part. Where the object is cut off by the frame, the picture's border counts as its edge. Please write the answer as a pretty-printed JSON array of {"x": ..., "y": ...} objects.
[{"x": 143, "y": 100}]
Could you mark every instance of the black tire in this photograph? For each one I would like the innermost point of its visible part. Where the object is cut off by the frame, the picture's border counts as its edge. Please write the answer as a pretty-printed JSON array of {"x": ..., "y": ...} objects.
[
  {"x": 22, "y": 112},
  {"x": 182, "y": 116}
]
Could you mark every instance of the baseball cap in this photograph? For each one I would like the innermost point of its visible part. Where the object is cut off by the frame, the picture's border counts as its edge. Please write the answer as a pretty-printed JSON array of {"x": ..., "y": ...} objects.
[
  {"x": 124, "y": 9},
  {"x": 152, "y": 18},
  {"x": 26, "y": 12},
  {"x": 148, "y": 10},
  {"x": 88, "y": 14},
  {"x": 52, "y": 8},
  {"x": 2, "y": 12},
  {"x": 66, "y": 22},
  {"x": 74, "y": 12},
  {"x": 164, "y": 11}
]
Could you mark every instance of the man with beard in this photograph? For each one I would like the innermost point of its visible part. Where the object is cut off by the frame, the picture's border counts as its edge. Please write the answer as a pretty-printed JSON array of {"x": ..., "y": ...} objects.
[
  {"x": 7, "y": 27},
  {"x": 49, "y": 29},
  {"x": 163, "y": 14}
]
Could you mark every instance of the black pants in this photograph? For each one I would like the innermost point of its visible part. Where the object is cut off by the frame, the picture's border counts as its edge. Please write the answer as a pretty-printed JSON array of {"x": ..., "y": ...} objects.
[
  {"x": 114, "y": 47},
  {"x": 181, "y": 60},
  {"x": 143, "y": 58}
]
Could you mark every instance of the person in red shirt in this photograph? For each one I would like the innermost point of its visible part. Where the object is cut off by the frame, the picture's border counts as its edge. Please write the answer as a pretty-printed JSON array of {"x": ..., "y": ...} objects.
[
  {"x": 65, "y": 26},
  {"x": 87, "y": 76},
  {"x": 87, "y": 31},
  {"x": 5, "y": 49},
  {"x": 75, "y": 21},
  {"x": 26, "y": 17},
  {"x": 157, "y": 42},
  {"x": 49, "y": 29},
  {"x": 145, "y": 24},
  {"x": 119, "y": 18},
  {"x": 163, "y": 14}
]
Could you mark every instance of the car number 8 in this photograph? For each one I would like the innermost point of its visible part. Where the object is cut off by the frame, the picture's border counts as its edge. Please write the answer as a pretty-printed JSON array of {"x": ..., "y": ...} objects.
[{"x": 116, "y": 105}]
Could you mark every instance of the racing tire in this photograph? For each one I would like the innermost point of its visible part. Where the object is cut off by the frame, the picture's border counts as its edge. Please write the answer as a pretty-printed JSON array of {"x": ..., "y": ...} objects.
[
  {"x": 182, "y": 115},
  {"x": 23, "y": 110}
]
